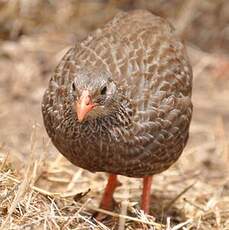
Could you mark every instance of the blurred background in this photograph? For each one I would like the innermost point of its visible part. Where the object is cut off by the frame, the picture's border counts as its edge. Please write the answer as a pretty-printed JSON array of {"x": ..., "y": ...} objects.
[{"x": 34, "y": 35}]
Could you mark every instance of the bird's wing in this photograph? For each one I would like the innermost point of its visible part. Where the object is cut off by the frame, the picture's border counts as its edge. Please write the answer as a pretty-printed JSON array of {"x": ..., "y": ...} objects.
[{"x": 150, "y": 64}]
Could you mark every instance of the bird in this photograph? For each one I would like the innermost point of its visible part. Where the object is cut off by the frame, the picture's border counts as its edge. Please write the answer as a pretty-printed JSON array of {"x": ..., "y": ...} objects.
[{"x": 119, "y": 101}]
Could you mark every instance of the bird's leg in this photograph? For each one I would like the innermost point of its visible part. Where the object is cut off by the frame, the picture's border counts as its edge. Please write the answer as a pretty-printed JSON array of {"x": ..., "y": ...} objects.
[
  {"x": 107, "y": 199},
  {"x": 145, "y": 202}
]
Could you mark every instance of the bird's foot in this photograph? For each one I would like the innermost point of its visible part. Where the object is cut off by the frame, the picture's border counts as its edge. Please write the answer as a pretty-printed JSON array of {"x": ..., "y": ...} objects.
[{"x": 101, "y": 216}]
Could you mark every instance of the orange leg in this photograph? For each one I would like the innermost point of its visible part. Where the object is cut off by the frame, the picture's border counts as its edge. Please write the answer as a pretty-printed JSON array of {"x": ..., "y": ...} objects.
[
  {"x": 145, "y": 204},
  {"x": 107, "y": 199}
]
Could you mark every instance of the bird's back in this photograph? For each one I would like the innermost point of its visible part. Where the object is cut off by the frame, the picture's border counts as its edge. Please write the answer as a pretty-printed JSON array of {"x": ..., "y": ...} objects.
[{"x": 142, "y": 54}]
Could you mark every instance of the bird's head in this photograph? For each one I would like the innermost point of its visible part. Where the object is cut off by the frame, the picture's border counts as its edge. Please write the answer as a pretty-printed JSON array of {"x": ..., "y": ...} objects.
[{"x": 95, "y": 94}]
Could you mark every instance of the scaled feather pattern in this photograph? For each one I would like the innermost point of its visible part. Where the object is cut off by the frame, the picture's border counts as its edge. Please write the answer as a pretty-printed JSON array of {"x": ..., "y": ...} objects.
[{"x": 140, "y": 125}]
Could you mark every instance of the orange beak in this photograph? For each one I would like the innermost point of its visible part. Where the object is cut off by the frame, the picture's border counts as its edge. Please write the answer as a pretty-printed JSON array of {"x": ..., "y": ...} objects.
[{"x": 84, "y": 105}]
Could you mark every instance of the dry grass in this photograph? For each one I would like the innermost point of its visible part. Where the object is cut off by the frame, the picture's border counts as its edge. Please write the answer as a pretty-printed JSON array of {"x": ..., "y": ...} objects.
[{"x": 39, "y": 189}]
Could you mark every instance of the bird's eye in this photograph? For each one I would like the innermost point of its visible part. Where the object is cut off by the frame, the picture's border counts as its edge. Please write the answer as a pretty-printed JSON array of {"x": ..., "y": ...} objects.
[
  {"x": 104, "y": 90},
  {"x": 73, "y": 86}
]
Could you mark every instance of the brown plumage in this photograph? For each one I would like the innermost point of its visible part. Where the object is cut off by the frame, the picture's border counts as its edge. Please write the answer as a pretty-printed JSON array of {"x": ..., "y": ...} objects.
[{"x": 120, "y": 100}]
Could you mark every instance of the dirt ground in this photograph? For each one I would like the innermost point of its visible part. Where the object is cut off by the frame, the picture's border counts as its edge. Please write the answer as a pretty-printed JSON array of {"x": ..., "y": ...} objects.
[{"x": 39, "y": 189}]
